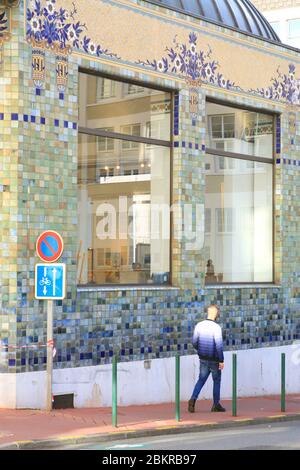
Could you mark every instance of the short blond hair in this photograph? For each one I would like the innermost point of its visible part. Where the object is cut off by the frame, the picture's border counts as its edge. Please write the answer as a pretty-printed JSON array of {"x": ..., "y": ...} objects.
[{"x": 213, "y": 307}]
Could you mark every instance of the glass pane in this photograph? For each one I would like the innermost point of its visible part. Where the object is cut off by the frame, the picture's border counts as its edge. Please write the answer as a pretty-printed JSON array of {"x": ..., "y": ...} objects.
[
  {"x": 239, "y": 131},
  {"x": 207, "y": 220},
  {"x": 133, "y": 89},
  {"x": 105, "y": 144},
  {"x": 294, "y": 28},
  {"x": 105, "y": 89},
  {"x": 216, "y": 127},
  {"x": 123, "y": 212},
  {"x": 127, "y": 108},
  {"x": 238, "y": 247},
  {"x": 228, "y": 124},
  {"x": 277, "y": 28}
]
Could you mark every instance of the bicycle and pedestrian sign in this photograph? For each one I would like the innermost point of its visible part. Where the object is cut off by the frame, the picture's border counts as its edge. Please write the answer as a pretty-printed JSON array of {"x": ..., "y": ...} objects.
[
  {"x": 50, "y": 281},
  {"x": 50, "y": 278}
]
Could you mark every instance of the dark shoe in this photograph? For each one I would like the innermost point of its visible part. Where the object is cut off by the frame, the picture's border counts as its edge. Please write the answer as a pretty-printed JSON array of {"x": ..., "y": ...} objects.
[
  {"x": 192, "y": 403},
  {"x": 218, "y": 408}
]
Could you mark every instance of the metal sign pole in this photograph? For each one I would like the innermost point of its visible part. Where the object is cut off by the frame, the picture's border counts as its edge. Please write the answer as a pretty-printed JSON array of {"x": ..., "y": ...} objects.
[
  {"x": 49, "y": 353},
  {"x": 283, "y": 393},
  {"x": 50, "y": 284},
  {"x": 234, "y": 384},
  {"x": 177, "y": 386}
]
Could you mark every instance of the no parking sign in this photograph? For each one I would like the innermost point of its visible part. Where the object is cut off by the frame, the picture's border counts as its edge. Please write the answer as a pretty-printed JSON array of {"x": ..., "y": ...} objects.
[{"x": 49, "y": 246}]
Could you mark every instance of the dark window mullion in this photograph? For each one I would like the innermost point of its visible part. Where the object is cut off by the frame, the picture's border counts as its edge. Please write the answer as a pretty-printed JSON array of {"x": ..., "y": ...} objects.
[
  {"x": 238, "y": 156},
  {"x": 116, "y": 135}
]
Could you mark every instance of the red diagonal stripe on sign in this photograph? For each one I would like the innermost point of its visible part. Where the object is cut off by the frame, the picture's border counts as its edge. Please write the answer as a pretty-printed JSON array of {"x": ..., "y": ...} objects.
[{"x": 49, "y": 246}]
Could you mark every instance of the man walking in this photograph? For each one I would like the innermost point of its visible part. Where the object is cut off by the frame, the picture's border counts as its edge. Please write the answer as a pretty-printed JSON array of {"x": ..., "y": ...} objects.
[{"x": 208, "y": 342}]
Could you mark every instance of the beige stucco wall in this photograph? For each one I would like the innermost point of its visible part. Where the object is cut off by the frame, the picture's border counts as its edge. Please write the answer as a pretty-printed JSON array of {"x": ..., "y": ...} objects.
[{"x": 237, "y": 55}]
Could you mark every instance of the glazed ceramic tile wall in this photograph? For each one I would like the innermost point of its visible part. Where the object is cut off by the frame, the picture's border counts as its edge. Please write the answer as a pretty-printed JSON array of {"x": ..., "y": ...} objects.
[
  {"x": 38, "y": 177},
  {"x": 9, "y": 145},
  {"x": 38, "y": 190}
]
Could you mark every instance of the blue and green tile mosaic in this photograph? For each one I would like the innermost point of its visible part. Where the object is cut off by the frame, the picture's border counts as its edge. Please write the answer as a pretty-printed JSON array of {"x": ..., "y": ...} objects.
[{"x": 38, "y": 190}]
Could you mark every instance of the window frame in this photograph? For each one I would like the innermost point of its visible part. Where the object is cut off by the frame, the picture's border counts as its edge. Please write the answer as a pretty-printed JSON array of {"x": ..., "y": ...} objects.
[
  {"x": 127, "y": 89},
  {"x": 247, "y": 157},
  {"x": 106, "y": 150},
  {"x": 141, "y": 140},
  {"x": 100, "y": 96},
  {"x": 132, "y": 144},
  {"x": 222, "y": 116}
]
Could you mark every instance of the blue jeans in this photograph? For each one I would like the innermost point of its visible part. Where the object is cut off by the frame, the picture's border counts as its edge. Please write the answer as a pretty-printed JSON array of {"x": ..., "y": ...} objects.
[{"x": 207, "y": 367}]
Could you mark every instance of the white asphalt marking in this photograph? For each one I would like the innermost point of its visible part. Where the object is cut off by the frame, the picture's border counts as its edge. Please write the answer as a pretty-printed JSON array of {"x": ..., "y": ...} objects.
[{"x": 124, "y": 446}]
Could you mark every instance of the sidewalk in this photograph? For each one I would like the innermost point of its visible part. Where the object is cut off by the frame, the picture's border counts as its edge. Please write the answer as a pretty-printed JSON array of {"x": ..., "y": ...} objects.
[{"x": 34, "y": 429}]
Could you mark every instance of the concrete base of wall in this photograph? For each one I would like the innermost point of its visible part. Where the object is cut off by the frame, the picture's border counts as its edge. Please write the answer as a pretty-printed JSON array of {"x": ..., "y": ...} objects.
[{"x": 150, "y": 382}]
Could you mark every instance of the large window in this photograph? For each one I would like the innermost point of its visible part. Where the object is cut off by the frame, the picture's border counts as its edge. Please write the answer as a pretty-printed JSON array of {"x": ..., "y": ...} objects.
[
  {"x": 239, "y": 131},
  {"x": 239, "y": 196},
  {"x": 123, "y": 184}
]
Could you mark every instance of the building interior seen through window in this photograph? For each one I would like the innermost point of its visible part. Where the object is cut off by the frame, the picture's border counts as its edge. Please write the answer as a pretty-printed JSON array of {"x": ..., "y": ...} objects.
[
  {"x": 123, "y": 183},
  {"x": 239, "y": 196},
  {"x": 124, "y": 188},
  {"x": 239, "y": 131}
]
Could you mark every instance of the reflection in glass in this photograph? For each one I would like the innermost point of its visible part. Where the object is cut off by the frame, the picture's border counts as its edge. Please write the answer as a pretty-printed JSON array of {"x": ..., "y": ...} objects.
[
  {"x": 238, "y": 238},
  {"x": 125, "y": 108},
  {"x": 239, "y": 131},
  {"x": 123, "y": 241}
]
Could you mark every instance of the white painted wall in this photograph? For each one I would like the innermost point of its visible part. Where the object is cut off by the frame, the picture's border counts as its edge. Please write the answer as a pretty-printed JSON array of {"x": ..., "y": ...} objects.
[
  {"x": 258, "y": 374},
  {"x": 8, "y": 391},
  {"x": 282, "y": 16}
]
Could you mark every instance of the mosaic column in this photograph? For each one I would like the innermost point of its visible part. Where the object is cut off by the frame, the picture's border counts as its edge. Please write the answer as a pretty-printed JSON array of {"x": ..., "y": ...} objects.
[
  {"x": 188, "y": 189},
  {"x": 9, "y": 169},
  {"x": 38, "y": 191},
  {"x": 289, "y": 165},
  {"x": 47, "y": 200}
]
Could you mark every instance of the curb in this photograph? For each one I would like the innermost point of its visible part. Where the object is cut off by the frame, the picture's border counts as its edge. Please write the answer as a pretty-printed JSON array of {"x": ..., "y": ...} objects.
[{"x": 167, "y": 430}]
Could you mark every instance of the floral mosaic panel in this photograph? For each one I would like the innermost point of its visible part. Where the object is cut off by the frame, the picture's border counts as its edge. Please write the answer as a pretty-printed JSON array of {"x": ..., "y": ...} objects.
[
  {"x": 58, "y": 28},
  {"x": 192, "y": 63},
  {"x": 189, "y": 62},
  {"x": 284, "y": 87},
  {"x": 52, "y": 26},
  {"x": 4, "y": 26}
]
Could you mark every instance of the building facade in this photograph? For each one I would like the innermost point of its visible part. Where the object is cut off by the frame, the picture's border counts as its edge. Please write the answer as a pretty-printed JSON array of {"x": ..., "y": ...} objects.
[
  {"x": 284, "y": 17},
  {"x": 164, "y": 145}
]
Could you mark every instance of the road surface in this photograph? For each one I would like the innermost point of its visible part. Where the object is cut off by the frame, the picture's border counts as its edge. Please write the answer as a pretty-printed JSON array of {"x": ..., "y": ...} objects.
[{"x": 277, "y": 436}]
